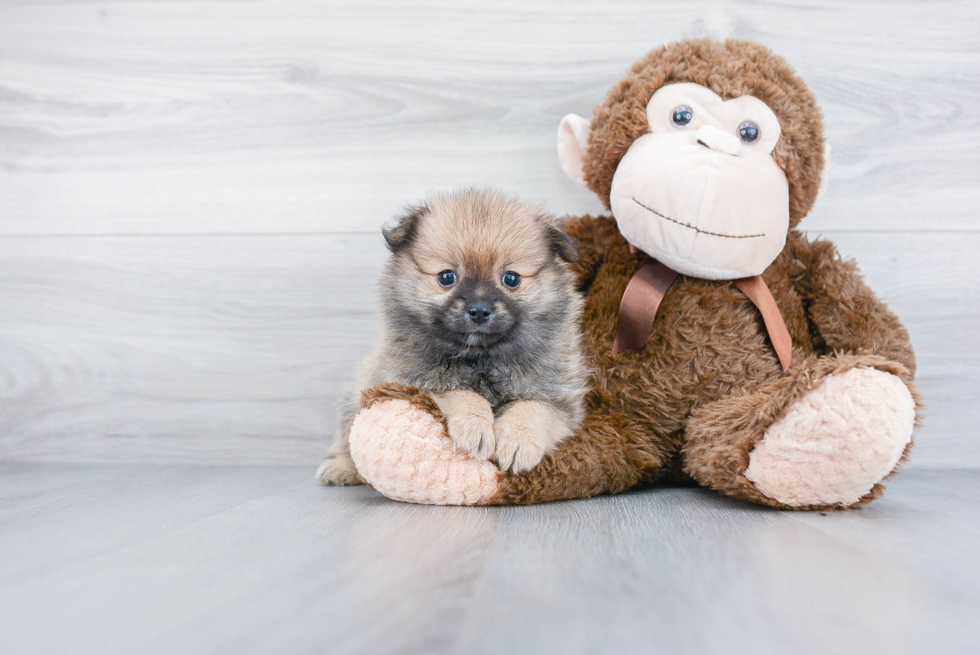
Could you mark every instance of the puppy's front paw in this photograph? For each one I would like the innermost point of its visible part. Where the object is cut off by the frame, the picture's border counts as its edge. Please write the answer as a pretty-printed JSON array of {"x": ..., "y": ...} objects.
[
  {"x": 473, "y": 432},
  {"x": 338, "y": 471},
  {"x": 525, "y": 432},
  {"x": 517, "y": 446},
  {"x": 469, "y": 421}
]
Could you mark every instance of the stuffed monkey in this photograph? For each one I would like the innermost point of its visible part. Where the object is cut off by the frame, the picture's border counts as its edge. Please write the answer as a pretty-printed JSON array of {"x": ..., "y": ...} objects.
[{"x": 728, "y": 348}]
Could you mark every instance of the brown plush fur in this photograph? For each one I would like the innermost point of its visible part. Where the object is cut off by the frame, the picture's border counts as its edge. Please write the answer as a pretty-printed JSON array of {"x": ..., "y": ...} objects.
[
  {"x": 393, "y": 391},
  {"x": 694, "y": 402},
  {"x": 702, "y": 392},
  {"x": 721, "y": 435},
  {"x": 731, "y": 69}
]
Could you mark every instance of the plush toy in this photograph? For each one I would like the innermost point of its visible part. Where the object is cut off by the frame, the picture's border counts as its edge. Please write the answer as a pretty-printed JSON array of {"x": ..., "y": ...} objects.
[{"x": 728, "y": 348}]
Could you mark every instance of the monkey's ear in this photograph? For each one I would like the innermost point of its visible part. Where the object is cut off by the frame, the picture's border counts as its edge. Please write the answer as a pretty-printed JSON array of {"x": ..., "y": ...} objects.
[
  {"x": 825, "y": 173},
  {"x": 401, "y": 232},
  {"x": 573, "y": 144},
  {"x": 562, "y": 245}
]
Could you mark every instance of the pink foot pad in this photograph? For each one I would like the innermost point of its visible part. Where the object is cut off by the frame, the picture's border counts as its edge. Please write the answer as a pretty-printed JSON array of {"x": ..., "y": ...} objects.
[
  {"x": 837, "y": 442},
  {"x": 405, "y": 453}
]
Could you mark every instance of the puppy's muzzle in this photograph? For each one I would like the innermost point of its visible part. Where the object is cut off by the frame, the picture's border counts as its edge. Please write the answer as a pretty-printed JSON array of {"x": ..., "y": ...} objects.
[{"x": 479, "y": 312}]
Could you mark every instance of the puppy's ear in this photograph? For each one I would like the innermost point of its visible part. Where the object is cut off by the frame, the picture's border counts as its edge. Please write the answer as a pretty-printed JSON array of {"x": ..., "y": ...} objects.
[
  {"x": 400, "y": 233},
  {"x": 562, "y": 245}
]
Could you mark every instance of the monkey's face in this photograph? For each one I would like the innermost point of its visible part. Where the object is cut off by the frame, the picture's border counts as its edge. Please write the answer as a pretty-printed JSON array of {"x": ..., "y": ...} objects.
[{"x": 701, "y": 191}]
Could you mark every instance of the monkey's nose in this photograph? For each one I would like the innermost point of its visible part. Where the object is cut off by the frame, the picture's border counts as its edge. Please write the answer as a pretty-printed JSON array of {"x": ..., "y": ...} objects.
[
  {"x": 479, "y": 312},
  {"x": 718, "y": 140}
]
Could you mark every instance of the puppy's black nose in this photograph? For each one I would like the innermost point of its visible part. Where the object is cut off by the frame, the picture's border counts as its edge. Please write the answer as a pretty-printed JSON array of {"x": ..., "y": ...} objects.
[{"x": 479, "y": 312}]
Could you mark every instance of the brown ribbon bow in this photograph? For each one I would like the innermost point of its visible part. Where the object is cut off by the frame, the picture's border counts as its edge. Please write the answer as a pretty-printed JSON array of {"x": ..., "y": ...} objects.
[{"x": 649, "y": 285}]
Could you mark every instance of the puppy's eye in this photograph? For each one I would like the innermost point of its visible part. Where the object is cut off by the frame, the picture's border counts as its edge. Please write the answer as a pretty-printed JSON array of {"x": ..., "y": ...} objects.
[
  {"x": 749, "y": 132},
  {"x": 511, "y": 280},
  {"x": 447, "y": 278},
  {"x": 682, "y": 116}
]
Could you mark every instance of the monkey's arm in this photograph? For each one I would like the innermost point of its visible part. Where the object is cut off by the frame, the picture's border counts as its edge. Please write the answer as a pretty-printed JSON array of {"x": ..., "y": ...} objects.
[
  {"x": 608, "y": 454},
  {"x": 844, "y": 314}
]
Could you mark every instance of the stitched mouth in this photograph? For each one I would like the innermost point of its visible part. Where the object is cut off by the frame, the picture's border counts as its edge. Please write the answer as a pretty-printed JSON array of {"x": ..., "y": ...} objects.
[{"x": 696, "y": 229}]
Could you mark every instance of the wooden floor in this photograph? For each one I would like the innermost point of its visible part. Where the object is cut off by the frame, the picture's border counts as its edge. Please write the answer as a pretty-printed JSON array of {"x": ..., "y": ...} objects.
[{"x": 182, "y": 559}]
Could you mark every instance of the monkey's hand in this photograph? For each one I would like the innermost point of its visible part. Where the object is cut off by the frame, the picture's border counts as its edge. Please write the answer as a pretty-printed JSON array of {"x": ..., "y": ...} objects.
[
  {"x": 848, "y": 316},
  {"x": 526, "y": 431},
  {"x": 469, "y": 420}
]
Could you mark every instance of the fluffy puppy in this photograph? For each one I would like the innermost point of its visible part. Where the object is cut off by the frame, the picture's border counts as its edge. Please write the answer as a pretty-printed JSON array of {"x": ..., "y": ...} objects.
[{"x": 480, "y": 310}]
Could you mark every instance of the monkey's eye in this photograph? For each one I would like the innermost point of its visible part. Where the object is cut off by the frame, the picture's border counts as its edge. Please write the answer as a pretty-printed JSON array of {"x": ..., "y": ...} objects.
[
  {"x": 682, "y": 116},
  {"x": 749, "y": 132},
  {"x": 447, "y": 278},
  {"x": 511, "y": 280}
]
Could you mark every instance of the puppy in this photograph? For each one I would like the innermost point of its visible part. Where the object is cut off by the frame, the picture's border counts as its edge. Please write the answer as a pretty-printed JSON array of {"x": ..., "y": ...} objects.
[{"x": 480, "y": 310}]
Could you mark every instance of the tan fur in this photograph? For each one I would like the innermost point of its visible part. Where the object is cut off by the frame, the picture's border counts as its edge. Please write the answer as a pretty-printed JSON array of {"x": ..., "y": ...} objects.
[
  {"x": 469, "y": 421},
  {"x": 526, "y": 430},
  {"x": 457, "y": 225},
  {"x": 339, "y": 470},
  {"x": 692, "y": 404}
]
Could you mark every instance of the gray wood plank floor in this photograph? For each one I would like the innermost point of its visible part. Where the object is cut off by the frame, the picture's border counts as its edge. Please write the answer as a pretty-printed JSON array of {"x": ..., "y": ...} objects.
[{"x": 164, "y": 559}]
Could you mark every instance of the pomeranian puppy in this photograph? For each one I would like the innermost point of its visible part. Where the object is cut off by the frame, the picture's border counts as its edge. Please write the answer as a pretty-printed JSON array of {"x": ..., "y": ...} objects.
[{"x": 480, "y": 310}]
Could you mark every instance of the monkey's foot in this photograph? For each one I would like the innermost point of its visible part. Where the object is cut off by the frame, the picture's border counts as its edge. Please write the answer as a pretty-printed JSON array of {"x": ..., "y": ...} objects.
[
  {"x": 836, "y": 442},
  {"x": 404, "y": 452}
]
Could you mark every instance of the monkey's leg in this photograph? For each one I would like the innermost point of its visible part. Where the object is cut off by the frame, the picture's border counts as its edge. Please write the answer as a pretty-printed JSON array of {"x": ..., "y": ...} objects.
[
  {"x": 823, "y": 436},
  {"x": 400, "y": 446},
  {"x": 607, "y": 455}
]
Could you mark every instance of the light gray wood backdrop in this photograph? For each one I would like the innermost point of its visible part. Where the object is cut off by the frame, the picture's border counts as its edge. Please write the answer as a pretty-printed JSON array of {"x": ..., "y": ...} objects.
[{"x": 190, "y": 193}]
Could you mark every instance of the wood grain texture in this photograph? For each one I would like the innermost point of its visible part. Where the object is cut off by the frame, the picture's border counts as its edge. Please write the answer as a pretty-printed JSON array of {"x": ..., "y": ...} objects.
[
  {"x": 181, "y": 348},
  {"x": 190, "y": 192},
  {"x": 236, "y": 349},
  {"x": 113, "y": 563},
  {"x": 294, "y": 116}
]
